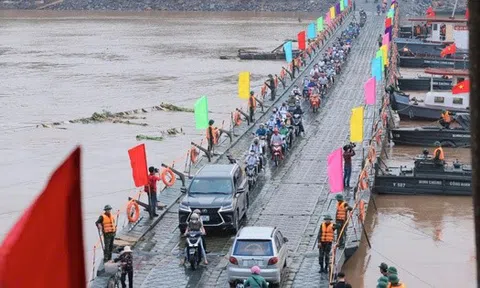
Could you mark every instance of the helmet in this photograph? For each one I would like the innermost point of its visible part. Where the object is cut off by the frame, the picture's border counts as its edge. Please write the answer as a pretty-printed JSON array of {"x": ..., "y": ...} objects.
[
  {"x": 437, "y": 143},
  {"x": 274, "y": 110},
  {"x": 289, "y": 115},
  {"x": 255, "y": 140},
  {"x": 339, "y": 197},
  {"x": 284, "y": 104},
  {"x": 255, "y": 270},
  {"x": 107, "y": 207},
  {"x": 251, "y": 92},
  {"x": 275, "y": 130},
  {"x": 151, "y": 169},
  {"x": 262, "y": 126},
  {"x": 252, "y": 152},
  {"x": 295, "y": 86},
  {"x": 194, "y": 217},
  {"x": 197, "y": 211},
  {"x": 298, "y": 105},
  {"x": 211, "y": 122}
]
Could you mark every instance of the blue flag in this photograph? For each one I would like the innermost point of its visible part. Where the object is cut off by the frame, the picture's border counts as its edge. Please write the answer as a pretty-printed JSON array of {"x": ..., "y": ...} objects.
[
  {"x": 287, "y": 47},
  {"x": 345, "y": 3},
  {"x": 377, "y": 68},
  {"x": 311, "y": 34}
]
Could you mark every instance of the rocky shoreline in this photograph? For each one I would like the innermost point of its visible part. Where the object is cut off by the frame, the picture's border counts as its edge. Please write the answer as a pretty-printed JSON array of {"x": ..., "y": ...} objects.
[{"x": 178, "y": 5}]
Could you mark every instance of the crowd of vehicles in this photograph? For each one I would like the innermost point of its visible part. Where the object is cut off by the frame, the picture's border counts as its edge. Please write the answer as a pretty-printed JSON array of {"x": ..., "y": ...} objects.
[{"x": 220, "y": 193}]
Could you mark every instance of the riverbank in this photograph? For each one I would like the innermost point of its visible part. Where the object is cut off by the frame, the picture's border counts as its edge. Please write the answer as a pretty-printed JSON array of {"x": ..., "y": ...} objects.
[{"x": 174, "y": 5}]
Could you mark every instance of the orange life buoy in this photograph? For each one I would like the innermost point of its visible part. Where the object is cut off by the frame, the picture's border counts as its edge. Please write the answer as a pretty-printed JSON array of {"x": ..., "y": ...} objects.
[
  {"x": 133, "y": 217},
  {"x": 237, "y": 118},
  {"x": 361, "y": 206},
  {"x": 378, "y": 136},
  {"x": 193, "y": 155},
  {"x": 363, "y": 184},
  {"x": 263, "y": 91},
  {"x": 171, "y": 175},
  {"x": 372, "y": 154}
]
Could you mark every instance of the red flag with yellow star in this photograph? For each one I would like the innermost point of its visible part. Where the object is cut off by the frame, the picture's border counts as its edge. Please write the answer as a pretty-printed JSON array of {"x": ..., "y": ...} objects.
[
  {"x": 462, "y": 87},
  {"x": 450, "y": 49}
]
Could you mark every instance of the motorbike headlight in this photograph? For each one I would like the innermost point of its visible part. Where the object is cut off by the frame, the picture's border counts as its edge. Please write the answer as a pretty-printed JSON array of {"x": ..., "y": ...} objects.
[
  {"x": 226, "y": 208},
  {"x": 184, "y": 207}
]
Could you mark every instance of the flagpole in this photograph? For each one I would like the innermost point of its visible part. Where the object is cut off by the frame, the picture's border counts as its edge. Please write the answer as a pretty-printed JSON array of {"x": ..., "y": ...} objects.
[{"x": 454, "y": 8}]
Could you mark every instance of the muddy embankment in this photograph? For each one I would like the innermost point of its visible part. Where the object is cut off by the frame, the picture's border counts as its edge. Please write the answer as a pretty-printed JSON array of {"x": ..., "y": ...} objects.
[{"x": 177, "y": 5}]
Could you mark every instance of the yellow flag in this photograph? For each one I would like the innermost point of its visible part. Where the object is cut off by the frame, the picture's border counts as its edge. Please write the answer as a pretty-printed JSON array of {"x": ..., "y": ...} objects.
[
  {"x": 356, "y": 125},
  {"x": 384, "y": 49},
  {"x": 244, "y": 85},
  {"x": 332, "y": 13}
]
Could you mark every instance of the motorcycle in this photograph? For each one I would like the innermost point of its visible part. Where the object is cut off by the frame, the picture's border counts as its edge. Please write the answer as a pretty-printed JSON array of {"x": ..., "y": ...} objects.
[
  {"x": 251, "y": 171},
  {"x": 194, "y": 255},
  {"x": 315, "y": 102},
  {"x": 297, "y": 120},
  {"x": 277, "y": 153}
]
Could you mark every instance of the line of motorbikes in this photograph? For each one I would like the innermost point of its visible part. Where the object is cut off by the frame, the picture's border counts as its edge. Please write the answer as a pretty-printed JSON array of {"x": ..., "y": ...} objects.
[{"x": 277, "y": 136}]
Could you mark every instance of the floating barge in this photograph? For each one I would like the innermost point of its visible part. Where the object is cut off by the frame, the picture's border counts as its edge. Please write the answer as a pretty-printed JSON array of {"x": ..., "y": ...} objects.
[
  {"x": 426, "y": 177},
  {"x": 274, "y": 55},
  {"x": 427, "y": 136},
  {"x": 434, "y": 102},
  {"x": 413, "y": 79},
  {"x": 433, "y": 62}
]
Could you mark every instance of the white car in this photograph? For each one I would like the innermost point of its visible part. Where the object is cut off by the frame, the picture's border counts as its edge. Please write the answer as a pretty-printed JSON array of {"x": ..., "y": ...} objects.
[{"x": 262, "y": 246}]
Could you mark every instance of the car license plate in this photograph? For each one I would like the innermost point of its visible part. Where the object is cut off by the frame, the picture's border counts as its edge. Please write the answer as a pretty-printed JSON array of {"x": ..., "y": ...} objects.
[{"x": 205, "y": 218}]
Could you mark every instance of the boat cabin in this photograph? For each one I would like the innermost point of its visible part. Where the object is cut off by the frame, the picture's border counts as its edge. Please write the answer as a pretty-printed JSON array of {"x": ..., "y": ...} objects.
[
  {"x": 441, "y": 30},
  {"x": 446, "y": 98}
]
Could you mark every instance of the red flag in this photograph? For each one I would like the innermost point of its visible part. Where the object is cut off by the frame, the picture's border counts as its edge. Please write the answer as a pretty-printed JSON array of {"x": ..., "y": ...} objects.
[
  {"x": 462, "y": 87},
  {"x": 430, "y": 13},
  {"x": 467, "y": 15},
  {"x": 388, "y": 22},
  {"x": 301, "y": 40},
  {"x": 450, "y": 49},
  {"x": 48, "y": 237},
  {"x": 138, "y": 162}
]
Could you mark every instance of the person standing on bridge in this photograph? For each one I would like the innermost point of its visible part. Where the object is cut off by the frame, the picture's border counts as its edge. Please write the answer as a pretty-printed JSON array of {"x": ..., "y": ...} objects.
[
  {"x": 348, "y": 153},
  {"x": 341, "y": 217},
  {"x": 325, "y": 239},
  {"x": 151, "y": 189},
  {"x": 380, "y": 40},
  {"x": 383, "y": 269},
  {"x": 252, "y": 105},
  {"x": 126, "y": 262},
  {"x": 271, "y": 85},
  {"x": 211, "y": 136},
  {"x": 106, "y": 224},
  {"x": 341, "y": 282}
]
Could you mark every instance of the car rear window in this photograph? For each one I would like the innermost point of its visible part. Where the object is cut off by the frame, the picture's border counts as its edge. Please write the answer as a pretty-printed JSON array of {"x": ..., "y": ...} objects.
[
  {"x": 253, "y": 248},
  {"x": 211, "y": 186}
]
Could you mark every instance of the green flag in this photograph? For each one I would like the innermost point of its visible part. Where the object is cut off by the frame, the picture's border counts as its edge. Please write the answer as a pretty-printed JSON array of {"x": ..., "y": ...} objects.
[
  {"x": 320, "y": 24},
  {"x": 390, "y": 15},
  {"x": 201, "y": 113},
  {"x": 341, "y": 5}
]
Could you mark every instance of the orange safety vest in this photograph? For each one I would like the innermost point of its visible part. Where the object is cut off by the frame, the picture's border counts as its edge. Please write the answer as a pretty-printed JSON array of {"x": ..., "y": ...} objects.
[
  {"x": 400, "y": 285},
  {"x": 446, "y": 117},
  {"x": 341, "y": 211},
  {"x": 442, "y": 156},
  {"x": 108, "y": 224},
  {"x": 327, "y": 232},
  {"x": 252, "y": 103},
  {"x": 213, "y": 132}
]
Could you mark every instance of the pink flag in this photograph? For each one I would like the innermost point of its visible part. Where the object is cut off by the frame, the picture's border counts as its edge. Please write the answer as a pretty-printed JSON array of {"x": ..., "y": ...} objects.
[
  {"x": 370, "y": 91},
  {"x": 335, "y": 171},
  {"x": 327, "y": 19},
  {"x": 386, "y": 39}
]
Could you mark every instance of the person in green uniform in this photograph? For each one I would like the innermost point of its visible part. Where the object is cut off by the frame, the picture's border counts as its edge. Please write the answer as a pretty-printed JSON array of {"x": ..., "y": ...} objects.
[{"x": 106, "y": 225}]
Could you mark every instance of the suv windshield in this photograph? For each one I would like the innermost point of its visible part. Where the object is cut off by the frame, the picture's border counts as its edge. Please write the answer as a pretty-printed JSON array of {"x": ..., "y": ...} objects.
[
  {"x": 253, "y": 248},
  {"x": 211, "y": 186}
]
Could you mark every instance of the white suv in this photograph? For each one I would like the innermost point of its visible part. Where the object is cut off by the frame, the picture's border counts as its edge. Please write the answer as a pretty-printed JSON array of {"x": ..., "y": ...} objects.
[{"x": 262, "y": 246}]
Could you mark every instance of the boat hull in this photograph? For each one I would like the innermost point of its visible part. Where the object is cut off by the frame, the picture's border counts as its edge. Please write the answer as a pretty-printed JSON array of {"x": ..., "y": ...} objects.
[
  {"x": 428, "y": 136},
  {"x": 407, "y": 110},
  {"x": 414, "y": 185},
  {"x": 423, "y": 84},
  {"x": 264, "y": 55},
  {"x": 413, "y": 62}
]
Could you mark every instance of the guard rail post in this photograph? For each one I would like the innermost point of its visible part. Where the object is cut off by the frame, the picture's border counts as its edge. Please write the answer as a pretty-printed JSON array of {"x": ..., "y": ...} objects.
[{"x": 244, "y": 114}]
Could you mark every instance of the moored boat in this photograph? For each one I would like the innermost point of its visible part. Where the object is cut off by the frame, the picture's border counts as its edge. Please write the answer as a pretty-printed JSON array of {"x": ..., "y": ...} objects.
[
  {"x": 426, "y": 177},
  {"x": 427, "y": 136},
  {"x": 433, "y": 62}
]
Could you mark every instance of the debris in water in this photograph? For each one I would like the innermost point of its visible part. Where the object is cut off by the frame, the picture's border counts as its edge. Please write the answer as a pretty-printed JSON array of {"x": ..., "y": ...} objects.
[
  {"x": 171, "y": 107},
  {"x": 146, "y": 137},
  {"x": 174, "y": 131}
]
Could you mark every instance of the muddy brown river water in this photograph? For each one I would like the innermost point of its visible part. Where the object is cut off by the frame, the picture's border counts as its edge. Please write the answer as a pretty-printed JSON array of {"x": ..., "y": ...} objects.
[{"x": 57, "y": 66}]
